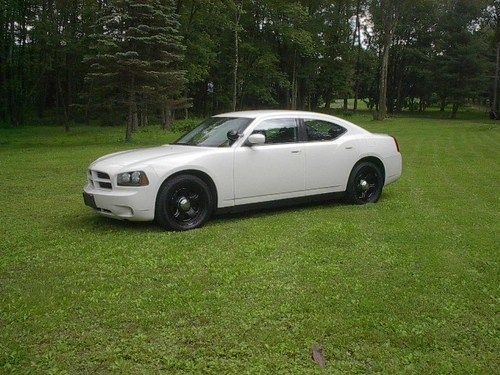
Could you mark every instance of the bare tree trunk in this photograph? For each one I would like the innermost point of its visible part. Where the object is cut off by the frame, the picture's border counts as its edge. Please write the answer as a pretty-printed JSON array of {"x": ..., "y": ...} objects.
[
  {"x": 132, "y": 111},
  {"x": 382, "y": 104},
  {"x": 399, "y": 97},
  {"x": 62, "y": 103},
  {"x": 294, "y": 83},
  {"x": 135, "y": 117},
  {"x": 454, "y": 110},
  {"x": 166, "y": 117},
  {"x": 442, "y": 104},
  {"x": 143, "y": 115},
  {"x": 328, "y": 100},
  {"x": 389, "y": 25},
  {"x": 494, "y": 107},
  {"x": 236, "y": 54},
  {"x": 128, "y": 130},
  {"x": 162, "y": 116},
  {"x": 358, "y": 57}
]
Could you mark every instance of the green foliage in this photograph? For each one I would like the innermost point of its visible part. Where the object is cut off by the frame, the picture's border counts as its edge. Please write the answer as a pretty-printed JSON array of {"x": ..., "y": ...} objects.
[
  {"x": 460, "y": 52},
  {"x": 292, "y": 54},
  {"x": 137, "y": 52}
]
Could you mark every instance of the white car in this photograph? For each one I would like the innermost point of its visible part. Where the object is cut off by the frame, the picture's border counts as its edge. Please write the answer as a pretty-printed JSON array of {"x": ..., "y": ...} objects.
[{"x": 243, "y": 158}]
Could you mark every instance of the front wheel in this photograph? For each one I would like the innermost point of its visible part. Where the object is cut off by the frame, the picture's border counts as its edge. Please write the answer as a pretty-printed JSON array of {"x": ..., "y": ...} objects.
[
  {"x": 365, "y": 183},
  {"x": 184, "y": 202}
]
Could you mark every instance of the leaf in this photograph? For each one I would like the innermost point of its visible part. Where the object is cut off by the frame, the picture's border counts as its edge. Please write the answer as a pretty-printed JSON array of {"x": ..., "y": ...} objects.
[{"x": 318, "y": 356}]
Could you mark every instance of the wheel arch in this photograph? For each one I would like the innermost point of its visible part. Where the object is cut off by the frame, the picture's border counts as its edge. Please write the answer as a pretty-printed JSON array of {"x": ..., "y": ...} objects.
[
  {"x": 375, "y": 160},
  {"x": 194, "y": 172}
]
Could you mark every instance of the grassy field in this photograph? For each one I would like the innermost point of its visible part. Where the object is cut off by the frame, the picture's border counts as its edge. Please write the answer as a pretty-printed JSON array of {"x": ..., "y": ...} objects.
[{"x": 408, "y": 285}]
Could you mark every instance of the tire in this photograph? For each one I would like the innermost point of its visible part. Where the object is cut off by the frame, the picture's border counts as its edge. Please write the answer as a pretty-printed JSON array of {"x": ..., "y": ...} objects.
[
  {"x": 365, "y": 184},
  {"x": 184, "y": 202}
]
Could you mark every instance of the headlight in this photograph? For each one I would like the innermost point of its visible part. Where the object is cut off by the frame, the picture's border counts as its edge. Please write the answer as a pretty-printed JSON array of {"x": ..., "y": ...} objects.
[{"x": 136, "y": 178}]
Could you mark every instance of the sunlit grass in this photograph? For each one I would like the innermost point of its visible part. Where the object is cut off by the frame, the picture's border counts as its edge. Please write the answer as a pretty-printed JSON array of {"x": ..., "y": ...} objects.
[{"x": 407, "y": 285}]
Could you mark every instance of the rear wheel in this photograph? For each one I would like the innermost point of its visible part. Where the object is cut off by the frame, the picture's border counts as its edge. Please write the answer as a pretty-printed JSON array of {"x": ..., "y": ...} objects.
[
  {"x": 365, "y": 183},
  {"x": 184, "y": 202}
]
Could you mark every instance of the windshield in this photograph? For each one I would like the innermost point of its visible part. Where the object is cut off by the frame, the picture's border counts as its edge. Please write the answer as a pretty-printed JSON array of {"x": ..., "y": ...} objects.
[{"x": 213, "y": 132}]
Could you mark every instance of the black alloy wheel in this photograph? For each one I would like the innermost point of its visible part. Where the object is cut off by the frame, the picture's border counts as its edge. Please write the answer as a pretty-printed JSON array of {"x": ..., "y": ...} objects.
[
  {"x": 184, "y": 202},
  {"x": 365, "y": 183}
]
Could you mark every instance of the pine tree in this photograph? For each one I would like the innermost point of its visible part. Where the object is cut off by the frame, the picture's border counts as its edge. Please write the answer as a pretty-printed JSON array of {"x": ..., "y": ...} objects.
[{"x": 137, "y": 55}]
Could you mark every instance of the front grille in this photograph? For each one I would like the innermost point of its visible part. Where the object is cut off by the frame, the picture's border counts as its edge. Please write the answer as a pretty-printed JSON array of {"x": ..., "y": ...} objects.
[
  {"x": 103, "y": 175},
  {"x": 105, "y": 185},
  {"x": 99, "y": 179}
]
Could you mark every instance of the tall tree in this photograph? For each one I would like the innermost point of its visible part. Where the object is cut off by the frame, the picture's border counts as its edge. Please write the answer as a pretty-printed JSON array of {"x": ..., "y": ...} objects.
[
  {"x": 459, "y": 57},
  {"x": 496, "y": 40},
  {"x": 137, "y": 55},
  {"x": 239, "y": 10},
  {"x": 385, "y": 15}
]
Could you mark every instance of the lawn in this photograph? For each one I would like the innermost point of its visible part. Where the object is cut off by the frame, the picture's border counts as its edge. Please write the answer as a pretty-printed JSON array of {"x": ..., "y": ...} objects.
[{"x": 407, "y": 285}]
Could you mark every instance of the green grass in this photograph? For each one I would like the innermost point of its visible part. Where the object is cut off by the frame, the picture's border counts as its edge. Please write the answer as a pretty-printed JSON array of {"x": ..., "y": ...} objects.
[{"x": 408, "y": 285}]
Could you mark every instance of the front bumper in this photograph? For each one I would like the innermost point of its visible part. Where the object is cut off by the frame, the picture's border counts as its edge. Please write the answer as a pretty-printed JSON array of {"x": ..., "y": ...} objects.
[{"x": 134, "y": 203}]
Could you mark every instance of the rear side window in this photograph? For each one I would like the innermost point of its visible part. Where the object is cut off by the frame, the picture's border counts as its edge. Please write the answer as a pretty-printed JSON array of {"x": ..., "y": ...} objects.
[
  {"x": 319, "y": 130},
  {"x": 282, "y": 130}
]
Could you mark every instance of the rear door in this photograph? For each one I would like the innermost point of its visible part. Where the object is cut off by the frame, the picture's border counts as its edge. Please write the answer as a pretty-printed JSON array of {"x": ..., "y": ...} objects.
[{"x": 330, "y": 155}]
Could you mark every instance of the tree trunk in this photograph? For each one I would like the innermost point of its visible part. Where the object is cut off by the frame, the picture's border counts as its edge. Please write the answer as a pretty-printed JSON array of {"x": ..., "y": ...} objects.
[
  {"x": 382, "y": 104},
  {"x": 166, "y": 117},
  {"x": 62, "y": 105},
  {"x": 294, "y": 83},
  {"x": 132, "y": 112},
  {"x": 454, "y": 110},
  {"x": 236, "y": 54},
  {"x": 135, "y": 117},
  {"x": 494, "y": 107},
  {"x": 389, "y": 9},
  {"x": 345, "y": 103},
  {"x": 128, "y": 131},
  {"x": 328, "y": 100},
  {"x": 399, "y": 98},
  {"x": 143, "y": 116},
  {"x": 442, "y": 104},
  {"x": 358, "y": 57},
  {"x": 12, "y": 105}
]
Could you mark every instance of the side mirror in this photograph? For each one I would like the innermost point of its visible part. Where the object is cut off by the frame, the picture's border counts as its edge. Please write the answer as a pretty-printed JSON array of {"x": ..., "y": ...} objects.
[
  {"x": 232, "y": 135},
  {"x": 256, "y": 139}
]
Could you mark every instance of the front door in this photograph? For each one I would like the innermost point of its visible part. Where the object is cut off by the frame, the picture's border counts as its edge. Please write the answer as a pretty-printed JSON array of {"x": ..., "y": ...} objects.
[{"x": 274, "y": 170}]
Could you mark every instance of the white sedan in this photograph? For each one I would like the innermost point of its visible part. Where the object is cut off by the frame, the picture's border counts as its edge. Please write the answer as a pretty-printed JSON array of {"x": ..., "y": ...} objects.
[{"x": 239, "y": 159}]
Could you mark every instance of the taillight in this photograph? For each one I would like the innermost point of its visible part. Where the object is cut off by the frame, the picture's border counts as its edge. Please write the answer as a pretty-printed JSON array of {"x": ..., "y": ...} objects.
[{"x": 396, "y": 142}]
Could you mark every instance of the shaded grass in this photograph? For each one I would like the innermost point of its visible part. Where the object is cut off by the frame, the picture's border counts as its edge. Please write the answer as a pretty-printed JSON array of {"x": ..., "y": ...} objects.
[{"x": 407, "y": 285}]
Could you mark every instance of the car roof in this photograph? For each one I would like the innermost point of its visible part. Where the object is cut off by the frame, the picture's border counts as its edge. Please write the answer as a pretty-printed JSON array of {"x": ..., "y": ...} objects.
[
  {"x": 266, "y": 112},
  {"x": 297, "y": 114}
]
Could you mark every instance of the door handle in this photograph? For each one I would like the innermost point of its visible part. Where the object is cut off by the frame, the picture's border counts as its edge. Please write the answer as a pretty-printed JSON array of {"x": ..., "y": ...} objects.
[
  {"x": 349, "y": 147},
  {"x": 295, "y": 151}
]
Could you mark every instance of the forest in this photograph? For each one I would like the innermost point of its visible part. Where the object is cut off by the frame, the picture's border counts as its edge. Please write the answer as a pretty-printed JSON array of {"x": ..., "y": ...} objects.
[{"x": 135, "y": 62}]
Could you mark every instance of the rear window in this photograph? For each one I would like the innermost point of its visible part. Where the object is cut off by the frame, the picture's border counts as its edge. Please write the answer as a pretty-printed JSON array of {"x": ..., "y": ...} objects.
[{"x": 320, "y": 130}]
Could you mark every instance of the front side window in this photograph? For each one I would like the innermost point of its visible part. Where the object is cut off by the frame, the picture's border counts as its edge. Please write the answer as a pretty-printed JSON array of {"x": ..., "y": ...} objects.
[
  {"x": 213, "y": 132},
  {"x": 319, "y": 130},
  {"x": 282, "y": 130}
]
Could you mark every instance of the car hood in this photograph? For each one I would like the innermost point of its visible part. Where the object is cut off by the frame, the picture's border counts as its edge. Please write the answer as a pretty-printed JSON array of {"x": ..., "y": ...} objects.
[{"x": 141, "y": 156}]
